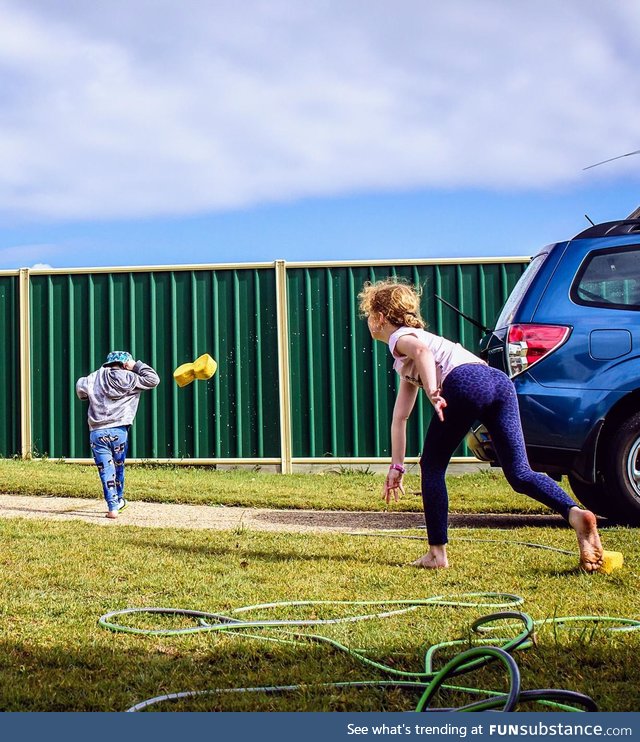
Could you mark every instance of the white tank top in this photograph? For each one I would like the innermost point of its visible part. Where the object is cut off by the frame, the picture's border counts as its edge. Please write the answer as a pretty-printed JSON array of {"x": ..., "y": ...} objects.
[{"x": 447, "y": 355}]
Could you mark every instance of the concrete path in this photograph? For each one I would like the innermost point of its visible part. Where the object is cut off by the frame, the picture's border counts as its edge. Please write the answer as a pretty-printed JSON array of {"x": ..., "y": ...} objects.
[{"x": 156, "y": 515}]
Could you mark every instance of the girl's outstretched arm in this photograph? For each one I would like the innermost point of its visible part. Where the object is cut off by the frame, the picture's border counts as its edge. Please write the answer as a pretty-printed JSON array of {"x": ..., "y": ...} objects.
[{"x": 405, "y": 402}]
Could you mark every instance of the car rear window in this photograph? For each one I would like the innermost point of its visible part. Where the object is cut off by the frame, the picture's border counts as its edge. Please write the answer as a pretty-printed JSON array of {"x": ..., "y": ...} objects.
[
  {"x": 610, "y": 278},
  {"x": 519, "y": 290}
]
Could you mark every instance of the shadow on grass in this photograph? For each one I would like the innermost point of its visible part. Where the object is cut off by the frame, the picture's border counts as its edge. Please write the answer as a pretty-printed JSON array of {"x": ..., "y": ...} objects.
[
  {"x": 112, "y": 672},
  {"x": 246, "y": 552},
  {"x": 110, "y": 675}
]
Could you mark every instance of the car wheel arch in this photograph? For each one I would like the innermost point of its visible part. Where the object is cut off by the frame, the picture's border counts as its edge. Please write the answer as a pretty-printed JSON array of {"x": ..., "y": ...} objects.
[{"x": 622, "y": 410}]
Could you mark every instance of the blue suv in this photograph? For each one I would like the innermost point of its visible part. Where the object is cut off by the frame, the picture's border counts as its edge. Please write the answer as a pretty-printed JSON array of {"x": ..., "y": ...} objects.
[{"x": 569, "y": 336}]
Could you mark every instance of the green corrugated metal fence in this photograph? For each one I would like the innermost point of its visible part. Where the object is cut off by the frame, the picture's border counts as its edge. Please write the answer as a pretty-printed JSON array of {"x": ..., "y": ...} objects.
[
  {"x": 164, "y": 318},
  {"x": 342, "y": 384},
  {"x": 299, "y": 378},
  {"x": 10, "y": 418}
]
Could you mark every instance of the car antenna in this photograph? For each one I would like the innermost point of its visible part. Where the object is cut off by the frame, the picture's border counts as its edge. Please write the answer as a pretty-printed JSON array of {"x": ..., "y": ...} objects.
[
  {"x": 611, "y": 159},
  {"x": 590, "y": 220},
  {"x": 462, "y": 314},
  {"x": 634, "y": 214}
]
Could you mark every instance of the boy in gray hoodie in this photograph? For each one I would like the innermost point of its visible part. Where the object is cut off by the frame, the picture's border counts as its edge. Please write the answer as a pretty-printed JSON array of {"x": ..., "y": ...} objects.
[{"x": 113, "y": 392}]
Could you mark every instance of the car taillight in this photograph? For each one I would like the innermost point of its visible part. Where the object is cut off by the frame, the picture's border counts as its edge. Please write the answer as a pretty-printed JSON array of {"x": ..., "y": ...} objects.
[{"x": 527, "y": 344}]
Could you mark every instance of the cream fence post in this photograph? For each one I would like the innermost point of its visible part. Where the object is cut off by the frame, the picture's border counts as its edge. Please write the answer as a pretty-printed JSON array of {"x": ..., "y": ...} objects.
[
  {"x": 25, "y": 366},
  {"x": 286, "y": 466}
]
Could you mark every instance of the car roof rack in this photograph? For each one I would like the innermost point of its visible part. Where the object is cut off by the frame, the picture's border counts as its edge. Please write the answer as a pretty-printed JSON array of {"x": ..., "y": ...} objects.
[{"x": 610, "y": 229}]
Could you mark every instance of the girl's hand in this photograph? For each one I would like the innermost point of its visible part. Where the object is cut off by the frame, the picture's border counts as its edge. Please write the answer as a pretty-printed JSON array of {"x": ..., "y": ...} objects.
[
  {"x": 129, "y": 365},
  {"x": 439, "y": 403},
  {"x": 392, "y": 484}
]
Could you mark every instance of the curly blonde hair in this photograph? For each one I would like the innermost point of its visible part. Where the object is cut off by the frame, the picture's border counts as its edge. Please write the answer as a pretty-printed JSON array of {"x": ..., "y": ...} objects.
[{"x": 399, "y": 302}]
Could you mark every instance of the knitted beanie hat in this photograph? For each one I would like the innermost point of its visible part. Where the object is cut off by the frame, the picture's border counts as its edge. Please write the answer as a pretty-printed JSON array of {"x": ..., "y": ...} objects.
[{"x": 118, "y": 356}]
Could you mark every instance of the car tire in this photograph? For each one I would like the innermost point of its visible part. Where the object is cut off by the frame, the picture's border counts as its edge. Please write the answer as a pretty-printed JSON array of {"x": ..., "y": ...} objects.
[
  {"x": 591, "y": 496},
  {"x": 621, "y": 472}
]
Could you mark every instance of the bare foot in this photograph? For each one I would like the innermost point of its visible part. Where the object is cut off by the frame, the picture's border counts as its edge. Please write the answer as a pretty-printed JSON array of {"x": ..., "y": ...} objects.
[
  {"x": 433, "y": 559},
  {"x": 112, "y": 514},
  {"x": 585, "y": 525}
]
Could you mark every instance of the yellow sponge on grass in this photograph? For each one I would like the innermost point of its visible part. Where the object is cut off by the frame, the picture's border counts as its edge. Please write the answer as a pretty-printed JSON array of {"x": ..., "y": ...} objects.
[{"x": 611, "y": 560}]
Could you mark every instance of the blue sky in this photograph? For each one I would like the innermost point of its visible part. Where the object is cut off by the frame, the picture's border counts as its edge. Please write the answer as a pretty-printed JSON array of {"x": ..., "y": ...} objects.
[{"x": 154, "y": 132}]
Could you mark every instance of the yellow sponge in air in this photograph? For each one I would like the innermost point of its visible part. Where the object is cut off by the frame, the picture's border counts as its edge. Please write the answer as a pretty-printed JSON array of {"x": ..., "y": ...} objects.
[
  {"x": 203, "y": 367},
  {"x": 611, "y": 560}
]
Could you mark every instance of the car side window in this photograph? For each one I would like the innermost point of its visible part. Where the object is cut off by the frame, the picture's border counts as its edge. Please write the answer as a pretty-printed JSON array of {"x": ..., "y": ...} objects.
[
  {"x": 609, "y": 278},
  {"x": 520, "y": 289}
]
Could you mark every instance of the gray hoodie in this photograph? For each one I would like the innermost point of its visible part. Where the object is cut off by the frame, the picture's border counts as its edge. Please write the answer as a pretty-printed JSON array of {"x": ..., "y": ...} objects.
[{"x": 114, "y": 393}]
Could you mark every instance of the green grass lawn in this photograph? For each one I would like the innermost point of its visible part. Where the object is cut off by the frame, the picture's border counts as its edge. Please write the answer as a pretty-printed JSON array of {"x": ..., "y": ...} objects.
[
  {"x": 58, "y": 578},
  {"x": 485, "y": 491}
]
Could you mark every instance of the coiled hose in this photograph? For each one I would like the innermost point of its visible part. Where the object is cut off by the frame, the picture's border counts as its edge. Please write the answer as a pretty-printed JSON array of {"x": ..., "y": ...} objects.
[{"x": 429, "y": 680}]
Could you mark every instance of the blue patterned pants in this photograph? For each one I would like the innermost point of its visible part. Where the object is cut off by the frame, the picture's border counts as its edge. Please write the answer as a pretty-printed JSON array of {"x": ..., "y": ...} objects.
[
  {"x": 109, "y": 447},
  {"x": 478, "y": 392}
]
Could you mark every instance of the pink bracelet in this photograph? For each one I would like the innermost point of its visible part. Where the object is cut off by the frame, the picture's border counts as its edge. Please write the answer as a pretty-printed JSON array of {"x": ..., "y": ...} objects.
[{"x": 398, "y": 467}]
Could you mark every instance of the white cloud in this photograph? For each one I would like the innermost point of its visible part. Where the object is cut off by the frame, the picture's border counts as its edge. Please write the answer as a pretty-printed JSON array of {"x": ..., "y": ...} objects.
[
  {"x": 115, "y": 109},
  {"x": 24, "y": 255}
]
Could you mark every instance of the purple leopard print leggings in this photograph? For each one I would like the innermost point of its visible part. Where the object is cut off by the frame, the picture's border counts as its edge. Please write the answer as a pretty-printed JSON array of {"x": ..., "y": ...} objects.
[{"x": 478, "y": 392}]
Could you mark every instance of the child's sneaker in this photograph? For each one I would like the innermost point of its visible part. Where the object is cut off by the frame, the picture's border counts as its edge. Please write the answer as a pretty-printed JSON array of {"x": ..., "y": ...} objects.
[
  {"x": 122, "y": 504},
  {"x": 112, "y": 514}
]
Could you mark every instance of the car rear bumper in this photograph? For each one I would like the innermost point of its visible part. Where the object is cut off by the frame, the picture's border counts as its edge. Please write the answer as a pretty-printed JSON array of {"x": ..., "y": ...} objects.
[{"x": 553, "y": 461}]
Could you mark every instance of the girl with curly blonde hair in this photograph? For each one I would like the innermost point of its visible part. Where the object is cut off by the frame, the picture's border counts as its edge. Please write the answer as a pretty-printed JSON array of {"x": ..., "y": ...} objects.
[{"x": 462, "y": 388}]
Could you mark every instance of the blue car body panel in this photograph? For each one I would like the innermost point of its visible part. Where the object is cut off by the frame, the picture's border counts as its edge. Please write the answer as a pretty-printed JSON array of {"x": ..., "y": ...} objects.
[{"x": 565, "y": 397}]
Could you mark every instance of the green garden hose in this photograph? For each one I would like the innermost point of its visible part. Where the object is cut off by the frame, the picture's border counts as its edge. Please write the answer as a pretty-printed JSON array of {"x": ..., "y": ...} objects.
[
  {"x": 227, "y": 623},
  {"x": 429, "y": 680}
]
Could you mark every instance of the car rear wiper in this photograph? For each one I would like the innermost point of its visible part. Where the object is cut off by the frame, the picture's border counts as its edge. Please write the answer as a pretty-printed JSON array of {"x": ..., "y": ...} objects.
[
  {"x": 596, "y": 297},
  {"x": 462, "y": 314}
]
